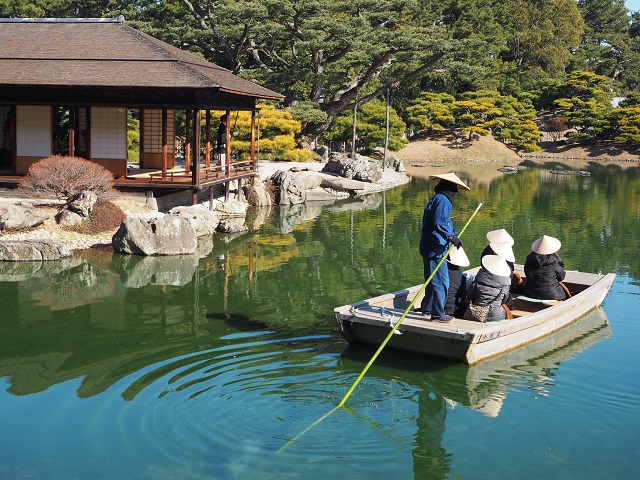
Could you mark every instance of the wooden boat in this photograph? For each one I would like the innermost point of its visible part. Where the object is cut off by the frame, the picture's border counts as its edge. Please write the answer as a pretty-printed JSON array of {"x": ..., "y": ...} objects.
[
  {"x": 369, "y": 321},
  {"x": 486, "y": 386}
]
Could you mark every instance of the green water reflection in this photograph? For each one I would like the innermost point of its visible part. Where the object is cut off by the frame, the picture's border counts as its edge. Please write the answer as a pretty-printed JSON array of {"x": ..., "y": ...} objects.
[{"x": 204, "y": 366}]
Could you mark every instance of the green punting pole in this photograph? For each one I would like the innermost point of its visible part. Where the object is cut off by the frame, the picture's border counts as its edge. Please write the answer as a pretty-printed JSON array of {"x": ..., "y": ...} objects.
[
  {"x": 407, "y": 310},
  {"x": 385, "y": 341}
]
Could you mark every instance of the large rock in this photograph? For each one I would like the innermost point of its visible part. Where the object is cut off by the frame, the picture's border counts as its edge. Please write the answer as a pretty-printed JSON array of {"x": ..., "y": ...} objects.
[
  {"x": 231, "y": 208},
  {"x": 168, "y": 235},
  {"x": 256, "y": 193},
  {"x": 307, "y": 179},
  {"x": 360, "y": 168},
  {"x": 32, "y": 251},
  {"x": 203, "y": 220},
  {"x": 15, "y": 216},
  {"x": 287, "y": 191},
  {"x": 82, "y": 203},
  {"x": 68, "y": 218}
]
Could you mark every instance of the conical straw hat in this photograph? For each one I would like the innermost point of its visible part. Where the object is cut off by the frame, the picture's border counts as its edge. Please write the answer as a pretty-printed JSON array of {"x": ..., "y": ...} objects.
[
  {"x": 546, "y": 245},
  {"x": 504, "y": 250},
  {"x": 499, "y": 235},
  {"x": 452, "y": 177},
  {"x": 496, "y": 265},
  {"x": 457, "y": 256}
]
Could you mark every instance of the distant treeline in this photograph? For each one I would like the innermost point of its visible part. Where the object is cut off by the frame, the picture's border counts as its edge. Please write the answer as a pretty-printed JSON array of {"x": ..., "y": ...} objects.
[{"x": 489, "y": 67}]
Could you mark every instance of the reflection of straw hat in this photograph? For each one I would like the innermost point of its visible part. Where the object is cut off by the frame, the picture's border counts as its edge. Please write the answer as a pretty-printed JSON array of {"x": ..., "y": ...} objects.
[
  {"x": 491, "y": 407},
  {"x": 452, "y": 177},
  {"x": 546, "y": 245},
  {"x": 457, "y": 256},
  {"x": 500, "y": 235},
  {"x": 504, "y": 250},
  {"x": 496, "y": 265}
]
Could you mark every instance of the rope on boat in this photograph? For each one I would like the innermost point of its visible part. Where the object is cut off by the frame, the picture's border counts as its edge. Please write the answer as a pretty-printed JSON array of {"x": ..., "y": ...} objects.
[
  {"x": 354, "y": 311},
  {"x": 385, "y": 341}
]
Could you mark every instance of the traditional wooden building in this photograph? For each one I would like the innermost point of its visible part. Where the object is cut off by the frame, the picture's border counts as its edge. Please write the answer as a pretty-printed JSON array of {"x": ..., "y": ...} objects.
[{"x": 68, "y": 84}]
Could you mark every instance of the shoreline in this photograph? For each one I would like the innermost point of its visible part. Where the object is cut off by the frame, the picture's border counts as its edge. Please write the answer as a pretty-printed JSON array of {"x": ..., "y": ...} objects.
[{"x": 134, "y": 207}]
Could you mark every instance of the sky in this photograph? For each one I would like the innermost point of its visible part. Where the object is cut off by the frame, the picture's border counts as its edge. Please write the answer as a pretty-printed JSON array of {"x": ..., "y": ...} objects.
[{"x": 633, "y": 5}]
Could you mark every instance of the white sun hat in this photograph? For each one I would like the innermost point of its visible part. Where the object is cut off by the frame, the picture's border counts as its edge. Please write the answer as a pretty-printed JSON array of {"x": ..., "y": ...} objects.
[
  {"x": 504, "y": 250},
  {"x": 457, "y": 256},
  {"x": 546, "y": 245},
  {"x": 496, "y": 265},
  {"x": 500, "y": 235},
  {"x": 452, "y": 177}
]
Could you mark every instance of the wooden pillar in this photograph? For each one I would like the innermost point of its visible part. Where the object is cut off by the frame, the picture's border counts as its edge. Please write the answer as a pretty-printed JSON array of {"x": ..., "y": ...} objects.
[
  {"x": 196, "y": 145},
  {"x": 211, "y": 198},
  {"x": 72, "y": 131},
  {"x": 87, "y": 136},
  {"x": 77, "y": 136},
  {"x": 164, "y": 144},
  {"x": 253, "y": 140},
  {"x": 228, "y": 146},
  {"x": 207, "y": 133},
  {"x": 142, "y": 145},
  {"x": 187, "y": 142}
]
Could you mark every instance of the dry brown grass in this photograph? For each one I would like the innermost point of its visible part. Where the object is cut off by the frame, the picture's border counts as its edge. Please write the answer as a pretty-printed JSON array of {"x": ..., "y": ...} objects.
[
  {"x": 450, "y": 148},
  {"x": 454, "y": 148}
]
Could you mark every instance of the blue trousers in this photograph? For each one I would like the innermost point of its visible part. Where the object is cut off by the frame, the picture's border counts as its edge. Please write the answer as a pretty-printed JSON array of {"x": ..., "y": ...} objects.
[{"x": 435, "y": 295}]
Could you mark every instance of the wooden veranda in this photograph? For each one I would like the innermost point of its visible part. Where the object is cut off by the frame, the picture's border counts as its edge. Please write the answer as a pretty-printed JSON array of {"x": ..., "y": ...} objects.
[{"x": 91, "y": 73}]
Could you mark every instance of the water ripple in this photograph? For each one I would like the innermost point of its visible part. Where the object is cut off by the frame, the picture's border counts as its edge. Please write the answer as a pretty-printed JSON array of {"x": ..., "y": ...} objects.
[{"x": 215, "y": 401}]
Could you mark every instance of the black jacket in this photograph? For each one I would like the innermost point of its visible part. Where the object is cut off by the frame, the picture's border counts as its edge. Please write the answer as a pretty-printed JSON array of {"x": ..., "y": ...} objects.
[
  {"x": 543, "y": 274},
  {"x": 457, "y": 289}
]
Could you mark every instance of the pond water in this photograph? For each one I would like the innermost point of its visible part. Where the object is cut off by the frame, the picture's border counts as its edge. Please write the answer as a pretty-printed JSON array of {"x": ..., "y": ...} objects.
[{"x": 207, "y": 366}]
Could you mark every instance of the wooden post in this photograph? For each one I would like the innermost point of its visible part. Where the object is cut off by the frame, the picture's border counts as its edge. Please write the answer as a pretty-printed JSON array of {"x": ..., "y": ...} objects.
[
  {"x": 253, "y": 140},
  {"x": 211, "y": 197},
  {"x": 164, "y": 144},
  {"x": 196, "y": 147},
  {"x": 187, "y": 142},
  {"x": 142, "y": 145},
  {"x": 207, "y": 132},
  {"x": 72, "y": 131},
  {"x": 228, "y": 146}
]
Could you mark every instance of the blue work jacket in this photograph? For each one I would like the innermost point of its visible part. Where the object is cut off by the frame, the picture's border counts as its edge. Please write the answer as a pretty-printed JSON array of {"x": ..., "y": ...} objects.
[{"x": 436, "y": 227}]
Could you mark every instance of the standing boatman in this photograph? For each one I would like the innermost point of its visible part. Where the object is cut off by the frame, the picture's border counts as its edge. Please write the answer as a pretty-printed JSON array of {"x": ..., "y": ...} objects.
[{"x": 437, "y": 234}]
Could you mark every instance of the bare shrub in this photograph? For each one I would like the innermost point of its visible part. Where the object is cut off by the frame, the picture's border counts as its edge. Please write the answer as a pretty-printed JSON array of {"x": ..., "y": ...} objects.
[
  {"x": 63, "y": 177},
  {"x": 556, "y": 127},
  {"x": 104, "y": 217}
]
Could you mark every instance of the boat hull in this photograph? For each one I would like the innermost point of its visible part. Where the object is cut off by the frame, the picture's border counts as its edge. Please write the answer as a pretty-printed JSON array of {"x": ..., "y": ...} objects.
[{"x": 370, "y": 322}]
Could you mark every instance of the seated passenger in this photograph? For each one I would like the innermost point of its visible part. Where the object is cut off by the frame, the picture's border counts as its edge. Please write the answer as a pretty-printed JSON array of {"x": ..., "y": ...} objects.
[
  {"x": 504, "y": 250},
  {"x": 500, "y": 235},
  {"x": 457, "y": 283},
  {"x": 491, "y": 287},
  {"x": 544, "y": 270}
]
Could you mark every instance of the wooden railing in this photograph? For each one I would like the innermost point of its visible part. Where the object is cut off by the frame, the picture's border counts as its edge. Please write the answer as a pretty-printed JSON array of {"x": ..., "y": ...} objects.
[{"x": 214, "y": 172}]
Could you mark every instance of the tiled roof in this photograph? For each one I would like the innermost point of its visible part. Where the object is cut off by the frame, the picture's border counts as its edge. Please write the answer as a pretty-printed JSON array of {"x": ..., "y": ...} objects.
[{"x": 105, "y": 53}]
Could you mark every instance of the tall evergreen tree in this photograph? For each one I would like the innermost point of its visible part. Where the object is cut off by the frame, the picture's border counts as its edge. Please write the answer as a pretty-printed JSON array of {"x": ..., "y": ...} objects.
[{"x": 606, "y": 46}]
